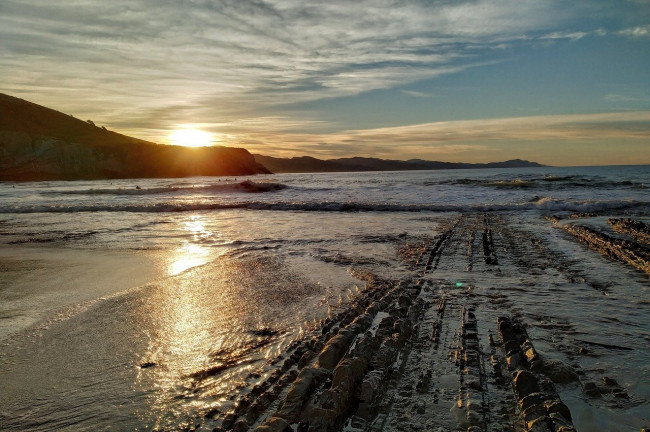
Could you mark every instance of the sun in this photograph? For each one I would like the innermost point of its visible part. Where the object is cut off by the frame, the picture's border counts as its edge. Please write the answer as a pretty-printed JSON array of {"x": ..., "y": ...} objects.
[{"x": 190, "y": 138}]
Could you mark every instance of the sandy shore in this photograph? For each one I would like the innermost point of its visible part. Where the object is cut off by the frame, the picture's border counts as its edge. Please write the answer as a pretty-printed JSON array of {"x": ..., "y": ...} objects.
[{"x": 38, "y": 282}]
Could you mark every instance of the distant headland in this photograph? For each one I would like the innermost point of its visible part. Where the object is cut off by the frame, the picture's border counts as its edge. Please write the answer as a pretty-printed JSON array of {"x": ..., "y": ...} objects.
[
  {"x": 39, "y": 143},
  {"x": 310, "y": 164}
]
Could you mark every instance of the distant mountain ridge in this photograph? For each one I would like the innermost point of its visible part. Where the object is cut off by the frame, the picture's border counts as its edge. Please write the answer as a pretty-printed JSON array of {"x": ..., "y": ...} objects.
[
  {"x": 311, "y": 164},
  {"x": 39, "y": 143}
]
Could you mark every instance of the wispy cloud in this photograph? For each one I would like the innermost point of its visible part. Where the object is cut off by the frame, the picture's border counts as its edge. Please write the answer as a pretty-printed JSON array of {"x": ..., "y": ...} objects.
[
  {"x": 636, "y": 32},
  {"x": 208, "y": 59},
  {"x": 574, "y": 36},
  {"x": 617, "y": 97},
  {"x": 417, "y": 94},
  {"x": 145, "y": 67},
  {"x": 456, "y": 139},
  {"x": 632, "y": 32}
]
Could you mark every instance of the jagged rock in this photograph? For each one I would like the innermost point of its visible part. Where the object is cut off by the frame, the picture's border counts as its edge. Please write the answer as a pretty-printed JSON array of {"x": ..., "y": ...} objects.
[
  {"x": 610, "y": 382},
  {"x": 367, "y": 347},
  {"x": 530, "y": 400},
  {"x": 321, "y": 419},
  {"x": 275, "y": 424},
  {"x": 362, "y": 323},
  {"x": 529, "y": 351},
  {"x": 386, "y": 355},
  {"x": 385, "y": 327},
  {"x": 625, "y": 251},
  {"x": 338, "y": 400},
  {"x": 335, "y": 349},
  {"x": 525, "y": 384},
  {"x": 240, "y": 426},
  {"x": 305, "y": 359},
  {"x": 511, "y": 346},
  {"x": 368, "y": 390},
  {"x": 560, "y": 408},
  {"x": 288, "y": 377},
  {"x": 505, "y": 329},
  {"x": 349, "y": 372},
  {"x": 229, "y": 420},
  {"x": 540, "y": 424},
  {"x": 307, "y": 380},
  {"x": 536, "y": 365},
  {"x": 515, "y": 360},
  {"x": 533, "y": 412},
  {"x": 404, "y": 301},
  {"x": 558, "y": 419}
]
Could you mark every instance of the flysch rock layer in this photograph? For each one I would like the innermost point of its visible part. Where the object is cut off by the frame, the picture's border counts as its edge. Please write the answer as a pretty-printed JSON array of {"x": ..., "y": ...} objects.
[{"x": 441, "y": 352}]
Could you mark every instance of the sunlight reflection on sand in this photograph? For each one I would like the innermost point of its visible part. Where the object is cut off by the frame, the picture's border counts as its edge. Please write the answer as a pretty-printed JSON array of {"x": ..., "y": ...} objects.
[{"x": 191, "y": 253}]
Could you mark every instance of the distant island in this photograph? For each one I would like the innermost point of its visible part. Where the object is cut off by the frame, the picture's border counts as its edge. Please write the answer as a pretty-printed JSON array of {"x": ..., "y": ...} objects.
[
  {"x": 309, "y": 164},
  {"x": 38, "y": 143}
]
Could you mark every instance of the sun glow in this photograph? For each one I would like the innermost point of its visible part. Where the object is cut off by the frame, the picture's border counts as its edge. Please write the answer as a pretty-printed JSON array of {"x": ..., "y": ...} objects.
[{"x": 190, "y": 138}]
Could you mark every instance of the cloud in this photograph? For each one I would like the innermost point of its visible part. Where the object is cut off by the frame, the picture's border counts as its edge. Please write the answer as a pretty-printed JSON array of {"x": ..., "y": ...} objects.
[
  {"x": 454, "y": 139},
  {"x": 145, "y": 67},
  {"x": 616, "y": 97},
  {"x": 417, "y": 94},
  {"x": 574, "y": 36},
  {"x": 229, "y": 58},
  {"x": 636, "y": 32}
]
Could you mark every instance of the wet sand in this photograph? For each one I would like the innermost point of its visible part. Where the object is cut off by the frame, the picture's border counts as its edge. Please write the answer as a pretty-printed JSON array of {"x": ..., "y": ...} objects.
[{"x": 37, "y": 283}]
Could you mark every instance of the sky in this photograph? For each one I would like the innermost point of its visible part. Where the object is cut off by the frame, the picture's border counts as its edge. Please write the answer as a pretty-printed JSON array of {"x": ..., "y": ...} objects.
[{"x": 557, "y": 82}]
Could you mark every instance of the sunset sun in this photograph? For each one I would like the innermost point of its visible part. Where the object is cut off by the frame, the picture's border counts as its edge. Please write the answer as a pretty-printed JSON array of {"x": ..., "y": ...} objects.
[{"x": 190, "y": 138}]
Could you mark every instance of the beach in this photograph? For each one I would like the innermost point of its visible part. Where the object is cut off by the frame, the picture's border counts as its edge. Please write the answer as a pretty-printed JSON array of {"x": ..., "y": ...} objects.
[{"x": 493, "y": 300}]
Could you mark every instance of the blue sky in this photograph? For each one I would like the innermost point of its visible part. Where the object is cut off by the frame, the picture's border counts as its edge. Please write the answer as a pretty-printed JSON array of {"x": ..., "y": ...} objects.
[{"x": 557, "y": 82}]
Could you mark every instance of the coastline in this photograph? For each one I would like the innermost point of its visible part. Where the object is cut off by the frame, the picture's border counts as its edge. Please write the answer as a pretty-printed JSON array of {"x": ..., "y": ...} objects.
[{"x": 196, "y": 318}]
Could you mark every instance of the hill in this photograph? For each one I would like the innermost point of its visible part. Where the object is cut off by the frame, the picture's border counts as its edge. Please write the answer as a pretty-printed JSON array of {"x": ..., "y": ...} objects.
[
  {"x": 38, "y": 143},
  {"x": 310, "y": 164}
]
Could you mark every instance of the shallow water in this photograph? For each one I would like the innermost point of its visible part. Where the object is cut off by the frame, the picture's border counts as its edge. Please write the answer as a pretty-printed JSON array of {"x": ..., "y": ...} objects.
[{"x": 135, "y": 309}]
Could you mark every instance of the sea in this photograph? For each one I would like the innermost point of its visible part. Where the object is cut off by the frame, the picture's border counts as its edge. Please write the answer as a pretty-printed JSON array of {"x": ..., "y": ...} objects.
[{"x": 115, "y": 295}]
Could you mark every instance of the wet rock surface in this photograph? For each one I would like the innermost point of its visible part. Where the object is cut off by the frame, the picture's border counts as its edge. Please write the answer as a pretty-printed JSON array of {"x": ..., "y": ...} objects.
[
  {"x": 439, "y": 352},
  {"x": 637, "y": 229},
  {"x": 635, "y": 252}
]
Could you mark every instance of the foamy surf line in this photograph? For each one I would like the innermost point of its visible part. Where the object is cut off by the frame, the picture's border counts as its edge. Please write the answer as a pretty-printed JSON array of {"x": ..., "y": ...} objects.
[
  {"x": 546, "y": 183},
  {"x": 544, "y": 204},
  {"x": 245, "y": 186}
]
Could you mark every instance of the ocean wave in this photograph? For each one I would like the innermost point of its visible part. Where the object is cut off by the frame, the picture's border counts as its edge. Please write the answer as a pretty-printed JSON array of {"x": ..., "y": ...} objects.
[
  {"x": 246, "y": 186},
  {"x": 537, "y": 203},
  {"x": 546, "y": 182}
]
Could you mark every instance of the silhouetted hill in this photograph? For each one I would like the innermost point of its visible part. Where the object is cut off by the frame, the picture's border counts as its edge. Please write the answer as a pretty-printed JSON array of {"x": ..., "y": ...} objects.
[
  {"x": 310, "y": 164},
  {"x": 38, "y": 143}
]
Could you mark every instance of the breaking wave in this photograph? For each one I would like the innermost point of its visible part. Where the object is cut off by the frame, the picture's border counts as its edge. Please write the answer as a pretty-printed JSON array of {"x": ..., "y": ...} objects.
[
  {"x": 246, "y": 186},
  {"x": 543, "y": 204},
  {"x": 546, "y": 182}
]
